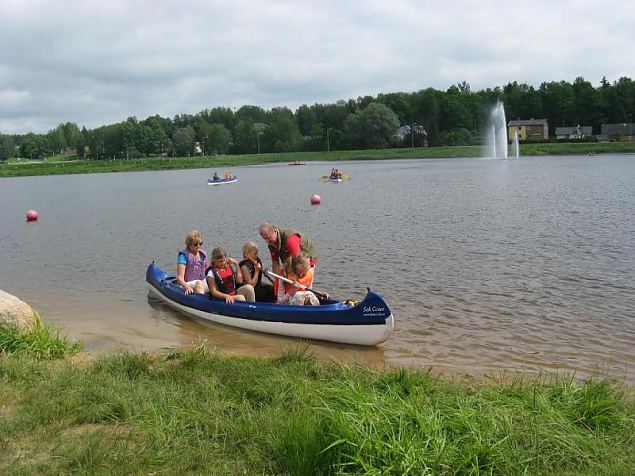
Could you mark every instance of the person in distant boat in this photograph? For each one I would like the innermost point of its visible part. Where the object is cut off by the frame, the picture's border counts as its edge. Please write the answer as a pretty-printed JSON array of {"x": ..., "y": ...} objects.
[
  {"x": 216, "y": 176},
  {"x": 225, "y": 281},
  {"x": 284, "y": 243},
  {"x": 191, "y": 265},
  {"x": 333, "y": 174},
  {"x": 228, "y": 175},
  {"x": 251, "y": 269},
  {"x": 298, "y": 268}
]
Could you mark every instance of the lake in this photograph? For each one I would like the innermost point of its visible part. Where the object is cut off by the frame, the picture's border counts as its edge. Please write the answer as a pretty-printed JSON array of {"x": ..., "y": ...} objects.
[{"x": 487, "y": 264}]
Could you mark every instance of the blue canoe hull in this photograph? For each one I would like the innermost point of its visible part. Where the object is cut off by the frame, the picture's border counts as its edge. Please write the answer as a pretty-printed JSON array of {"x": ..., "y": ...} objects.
[
  {"x": 369, "y": 322},
  {"x": 222, "y": 181}
]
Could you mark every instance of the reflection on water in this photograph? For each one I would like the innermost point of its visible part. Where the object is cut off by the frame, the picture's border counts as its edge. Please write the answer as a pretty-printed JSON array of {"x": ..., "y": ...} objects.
[{"x": 487, "y": 264}]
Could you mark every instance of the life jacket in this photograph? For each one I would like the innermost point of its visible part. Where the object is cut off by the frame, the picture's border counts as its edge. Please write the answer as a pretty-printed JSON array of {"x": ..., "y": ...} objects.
[
  {"x": 195, "y": 268},
  {"x": 306, "y": 280},
  {"x": 252, "y": 268},
  {"x": 225, "y": 280},
  {"x": 306, "y": 246}
]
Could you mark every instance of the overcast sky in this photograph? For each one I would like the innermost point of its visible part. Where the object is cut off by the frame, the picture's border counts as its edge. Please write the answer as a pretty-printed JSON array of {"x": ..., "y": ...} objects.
[{"x": 97, "y": 63}]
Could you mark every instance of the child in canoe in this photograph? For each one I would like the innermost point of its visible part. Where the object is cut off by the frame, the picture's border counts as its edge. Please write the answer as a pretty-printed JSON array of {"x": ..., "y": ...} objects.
[
  {"x": 225, "y": 281},
  {"x": 298, "y": 269}
]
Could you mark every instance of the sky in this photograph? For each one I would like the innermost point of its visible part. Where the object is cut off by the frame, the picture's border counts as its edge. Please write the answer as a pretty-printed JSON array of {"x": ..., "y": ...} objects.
[{"x": 97, "y": 63}]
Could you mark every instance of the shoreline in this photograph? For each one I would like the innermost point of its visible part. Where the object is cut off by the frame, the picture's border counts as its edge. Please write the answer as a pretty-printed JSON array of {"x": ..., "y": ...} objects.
[{"x": 70, "y": 167}]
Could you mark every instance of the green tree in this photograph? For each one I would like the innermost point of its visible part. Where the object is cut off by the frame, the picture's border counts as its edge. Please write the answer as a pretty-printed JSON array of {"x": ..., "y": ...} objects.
[
  {"x": 558, "y": 102},
  {"x": 245, "y": 138},
  {"x": 158, "y": 137},
  {"x": 33, "y": 146},
  {"x": 224, "y": 116},
  {"x": 400, "y": 104},
  {"x": 281, "y": 134},
  {"x": 306, "y": 118},
  {"x": 184, "y": 140},
  {"x": 372, "y": 127},
  {"x": 458, "y": 136},
  {"x": 7, "y": 147},
  {"x": 56, "y": 140},
  {"x": 587, "y": 110},
  {"x": 218, "y": 139},
  {"x": 72, "y": 134},
  {"x": 250, "y": 113}
]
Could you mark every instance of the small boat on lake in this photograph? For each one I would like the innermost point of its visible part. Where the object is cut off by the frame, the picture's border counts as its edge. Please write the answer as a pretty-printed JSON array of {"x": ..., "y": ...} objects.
[
  {"x": 221, "y": 181},
  {"x": 297, "y": 162},
  {"x": 367, "y": 322},
  {"x": 336, "y": 178}
]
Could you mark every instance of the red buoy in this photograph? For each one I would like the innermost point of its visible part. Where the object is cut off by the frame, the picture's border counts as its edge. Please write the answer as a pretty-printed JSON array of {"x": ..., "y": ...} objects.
[
  {"x": 31, "y": 215},
  {"x": 315, "y": 199}
]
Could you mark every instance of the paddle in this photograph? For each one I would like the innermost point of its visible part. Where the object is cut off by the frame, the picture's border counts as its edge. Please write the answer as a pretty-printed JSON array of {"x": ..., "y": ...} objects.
[{"x": 297, "y": 285}]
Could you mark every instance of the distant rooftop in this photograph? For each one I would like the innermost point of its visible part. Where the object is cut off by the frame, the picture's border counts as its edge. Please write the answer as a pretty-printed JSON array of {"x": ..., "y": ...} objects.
[
  {"x": 527, "y": 122},
  {"x": 574, "y": 130}
]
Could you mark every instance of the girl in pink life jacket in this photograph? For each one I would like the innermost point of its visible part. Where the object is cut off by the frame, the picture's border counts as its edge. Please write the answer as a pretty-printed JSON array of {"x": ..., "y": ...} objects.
[
  {"x": 191, "y": 265},
  {"x": 224, "y": 277}
]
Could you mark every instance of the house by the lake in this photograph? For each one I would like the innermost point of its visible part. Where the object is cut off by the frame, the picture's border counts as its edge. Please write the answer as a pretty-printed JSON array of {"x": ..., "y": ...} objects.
[
  {"x": 577, "y": 132},
  {"x": 529, "y": 130}
]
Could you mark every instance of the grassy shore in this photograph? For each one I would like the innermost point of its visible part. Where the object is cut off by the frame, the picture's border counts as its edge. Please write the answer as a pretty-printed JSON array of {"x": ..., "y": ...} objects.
[
  {"x": 196, "y": 411},
  {"x": 57, "y": 166}
]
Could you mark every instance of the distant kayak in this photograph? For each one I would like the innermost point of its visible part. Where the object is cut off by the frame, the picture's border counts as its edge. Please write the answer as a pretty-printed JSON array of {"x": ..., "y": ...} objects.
[
  {"x": 297, "y": 163},
  {"x": 221, "y": 181}
]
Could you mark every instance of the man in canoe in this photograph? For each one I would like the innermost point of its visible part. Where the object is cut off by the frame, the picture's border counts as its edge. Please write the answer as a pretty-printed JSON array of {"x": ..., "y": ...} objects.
[{"x": 284, "y": 243}]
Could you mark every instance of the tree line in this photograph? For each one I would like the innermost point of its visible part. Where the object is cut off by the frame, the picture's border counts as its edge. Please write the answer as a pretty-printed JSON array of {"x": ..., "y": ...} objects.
[{"x": 456, "y": 116}]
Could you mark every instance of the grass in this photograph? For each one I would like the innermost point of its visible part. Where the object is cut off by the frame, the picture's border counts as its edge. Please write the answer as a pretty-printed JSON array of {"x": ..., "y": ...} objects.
[
  {"x": 55, "y": 167},
  {"x": 41, "y": 342},
  {"x": 196, "y": 411}
]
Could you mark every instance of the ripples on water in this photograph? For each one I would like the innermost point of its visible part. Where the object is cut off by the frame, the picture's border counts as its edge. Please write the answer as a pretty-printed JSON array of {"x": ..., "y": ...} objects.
[{"x": 487, "y": 264}]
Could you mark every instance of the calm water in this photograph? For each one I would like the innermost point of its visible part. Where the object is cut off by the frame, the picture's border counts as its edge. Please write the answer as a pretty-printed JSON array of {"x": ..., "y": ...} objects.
[{"x": 487, "y": 264}]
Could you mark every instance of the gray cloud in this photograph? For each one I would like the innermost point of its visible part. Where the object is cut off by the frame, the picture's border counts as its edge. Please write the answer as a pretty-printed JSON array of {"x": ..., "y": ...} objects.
[{"x": 98, "y": 63}]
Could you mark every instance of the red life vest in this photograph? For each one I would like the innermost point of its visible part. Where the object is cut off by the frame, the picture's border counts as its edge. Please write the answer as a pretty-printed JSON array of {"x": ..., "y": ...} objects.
[{"x": 224, "y": 280}]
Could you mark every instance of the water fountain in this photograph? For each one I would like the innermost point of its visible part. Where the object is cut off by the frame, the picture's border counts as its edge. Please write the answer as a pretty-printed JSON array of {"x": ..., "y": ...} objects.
[
  {"x": 516, "y": 145},
  {"x": 496, "y": 132}
]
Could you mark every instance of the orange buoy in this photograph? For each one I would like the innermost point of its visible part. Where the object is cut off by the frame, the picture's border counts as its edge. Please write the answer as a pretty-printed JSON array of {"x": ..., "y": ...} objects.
[
  {"x": 315, "y": 199},
  {"x": 31, "y": 215}
]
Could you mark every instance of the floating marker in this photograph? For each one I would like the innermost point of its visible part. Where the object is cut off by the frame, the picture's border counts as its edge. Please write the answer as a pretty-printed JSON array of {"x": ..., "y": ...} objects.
[
  {"x": 31, "y": 215},
  {"x": 315, "y": 199}
]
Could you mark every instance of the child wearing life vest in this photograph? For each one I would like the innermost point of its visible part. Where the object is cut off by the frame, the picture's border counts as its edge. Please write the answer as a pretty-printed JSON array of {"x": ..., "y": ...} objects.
[
  {"x": 251, "y": 268},
  {"x": 224, "y": 278},
  {"x": 298, "y": 269}
]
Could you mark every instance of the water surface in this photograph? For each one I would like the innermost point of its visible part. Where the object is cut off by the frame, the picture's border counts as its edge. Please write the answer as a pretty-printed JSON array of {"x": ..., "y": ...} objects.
[{"x": 487, "y": 264}]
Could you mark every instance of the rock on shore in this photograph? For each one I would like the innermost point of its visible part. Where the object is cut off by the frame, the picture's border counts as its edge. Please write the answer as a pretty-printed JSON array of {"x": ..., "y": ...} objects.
[{"x": 14, "y": 312}]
